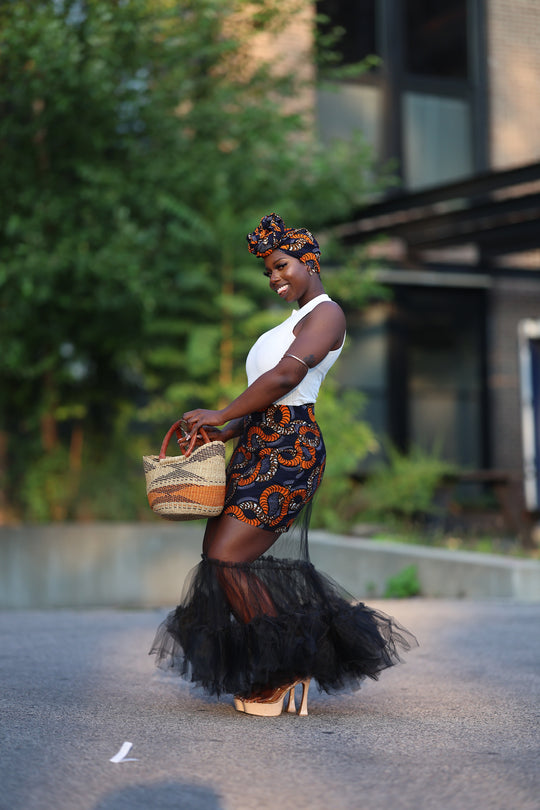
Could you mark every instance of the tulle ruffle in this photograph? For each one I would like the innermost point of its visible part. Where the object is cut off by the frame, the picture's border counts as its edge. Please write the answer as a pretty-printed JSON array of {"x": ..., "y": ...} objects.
[{"x": 290, "y": 622}]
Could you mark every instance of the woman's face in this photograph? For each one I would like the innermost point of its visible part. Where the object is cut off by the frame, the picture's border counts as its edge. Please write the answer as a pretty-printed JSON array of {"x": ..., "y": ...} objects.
[{"x": 288, "y": 276}]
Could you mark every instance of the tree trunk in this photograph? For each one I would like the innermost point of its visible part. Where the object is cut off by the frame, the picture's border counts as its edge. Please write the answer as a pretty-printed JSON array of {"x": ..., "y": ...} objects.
[
  {"x": 76, "y": 448},
  {"x": 49, "y": 427},
  {"x": 227, "y": 343},
  {"x": 3, "y": 476}
]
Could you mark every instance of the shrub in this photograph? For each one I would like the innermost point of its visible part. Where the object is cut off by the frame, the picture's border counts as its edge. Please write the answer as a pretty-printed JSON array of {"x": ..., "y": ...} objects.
[
  {"x": 404, "y": 584},
  {"x": 348, "y": 440},
  {"x": 109, "y": 485},
  {"x": 405, "y": 487}
]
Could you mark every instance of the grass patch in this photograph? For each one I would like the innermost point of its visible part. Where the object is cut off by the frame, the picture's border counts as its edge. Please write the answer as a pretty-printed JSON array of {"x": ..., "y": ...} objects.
[{"x": 483, "y": 544}]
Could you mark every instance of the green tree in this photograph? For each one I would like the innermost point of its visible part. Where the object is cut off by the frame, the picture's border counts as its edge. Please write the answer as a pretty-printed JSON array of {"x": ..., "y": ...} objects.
[{"x": 139, "y": 142}]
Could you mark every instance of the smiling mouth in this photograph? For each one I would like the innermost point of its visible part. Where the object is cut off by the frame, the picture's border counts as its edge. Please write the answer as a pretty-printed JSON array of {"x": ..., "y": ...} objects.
[{"x": 283, "y": 289}]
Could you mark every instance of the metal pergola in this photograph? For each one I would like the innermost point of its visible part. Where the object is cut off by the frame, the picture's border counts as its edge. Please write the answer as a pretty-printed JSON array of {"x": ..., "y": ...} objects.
[{"x": 497, "y": 211}]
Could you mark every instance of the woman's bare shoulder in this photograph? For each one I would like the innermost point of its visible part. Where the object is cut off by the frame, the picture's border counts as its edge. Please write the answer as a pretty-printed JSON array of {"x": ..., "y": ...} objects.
[
  {"x": 327, "y": 319},
  {"x": 328, "y": 310}
]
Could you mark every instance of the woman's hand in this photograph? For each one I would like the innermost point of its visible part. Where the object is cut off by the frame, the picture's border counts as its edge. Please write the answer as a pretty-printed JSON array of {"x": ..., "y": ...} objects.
[
  {"x": 201, "y": 417},
  {"x": 215, "y": 434}
]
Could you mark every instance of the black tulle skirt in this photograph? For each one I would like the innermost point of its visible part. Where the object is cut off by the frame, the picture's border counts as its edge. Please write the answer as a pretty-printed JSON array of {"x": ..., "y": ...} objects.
[
  {"x": 316, "y": 631},
  {"x": 303, "y": 624}
]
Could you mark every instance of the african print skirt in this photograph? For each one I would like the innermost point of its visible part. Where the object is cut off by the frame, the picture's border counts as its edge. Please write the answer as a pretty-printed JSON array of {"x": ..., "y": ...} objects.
[
  {"x": 241, "y": 627},
  {"x": 276, "y": 467}
]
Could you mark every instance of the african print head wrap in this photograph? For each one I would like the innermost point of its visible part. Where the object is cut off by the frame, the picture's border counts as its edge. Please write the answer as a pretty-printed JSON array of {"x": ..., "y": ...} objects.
[{"x": 272, "y": 234}]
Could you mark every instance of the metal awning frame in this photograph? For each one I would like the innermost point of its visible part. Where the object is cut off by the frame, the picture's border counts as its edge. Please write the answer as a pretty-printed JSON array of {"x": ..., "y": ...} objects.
[{"x": 497, "y": 211}]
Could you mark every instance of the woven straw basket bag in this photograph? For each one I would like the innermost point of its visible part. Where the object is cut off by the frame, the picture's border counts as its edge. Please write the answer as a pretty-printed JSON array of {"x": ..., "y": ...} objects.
[{"x": 189, "y": 486}]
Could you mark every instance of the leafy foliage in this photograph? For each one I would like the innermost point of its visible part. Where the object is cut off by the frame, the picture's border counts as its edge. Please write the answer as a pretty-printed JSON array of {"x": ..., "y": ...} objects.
[
  {"x": 139, "y": 142},
  {"x": 405, "y": 486},
  {"x": 404, "y": 584},
  {"x": 348, "y": 440}
]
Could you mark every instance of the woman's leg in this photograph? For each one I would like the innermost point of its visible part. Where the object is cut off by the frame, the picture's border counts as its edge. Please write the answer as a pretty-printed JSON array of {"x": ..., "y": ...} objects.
[
  {"x": 231, "y": 541},
  {"x": 228, "y": 539}
]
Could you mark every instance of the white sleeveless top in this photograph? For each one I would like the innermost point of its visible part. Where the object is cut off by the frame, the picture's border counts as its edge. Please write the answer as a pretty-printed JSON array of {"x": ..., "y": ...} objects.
[{"x": 272, "y": 345}]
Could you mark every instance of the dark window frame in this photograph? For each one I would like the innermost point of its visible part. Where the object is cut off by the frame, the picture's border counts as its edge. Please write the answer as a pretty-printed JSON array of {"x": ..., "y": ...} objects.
[
  {"x": 394, "y": 81},
  {"x": 398, "y": 369}
]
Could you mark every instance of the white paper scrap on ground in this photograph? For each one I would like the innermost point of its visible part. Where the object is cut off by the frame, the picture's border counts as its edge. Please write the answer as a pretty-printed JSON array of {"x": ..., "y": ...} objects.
[{"x": 121, "y": 756}]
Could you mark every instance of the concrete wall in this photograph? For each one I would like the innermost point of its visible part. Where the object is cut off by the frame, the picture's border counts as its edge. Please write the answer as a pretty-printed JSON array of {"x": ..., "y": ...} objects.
[
  {"x": 144, "y": 565},
  {"x": 102, "y": 564},
  {"x": 364, "y": 566}
]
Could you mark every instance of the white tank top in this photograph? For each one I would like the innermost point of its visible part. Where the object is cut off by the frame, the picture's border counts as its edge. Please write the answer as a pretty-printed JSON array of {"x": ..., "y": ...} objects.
[{"x": 272, "y": 345}]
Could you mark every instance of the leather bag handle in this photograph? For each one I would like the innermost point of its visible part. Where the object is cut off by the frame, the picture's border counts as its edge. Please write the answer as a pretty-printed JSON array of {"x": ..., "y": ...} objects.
[{"x": 177, "y": 427}]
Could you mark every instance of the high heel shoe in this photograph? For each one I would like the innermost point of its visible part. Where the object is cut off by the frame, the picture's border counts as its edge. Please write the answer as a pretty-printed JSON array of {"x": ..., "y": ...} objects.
[
  {"x": 272, "y": 706},
  {"x": 238, "y": 703}
]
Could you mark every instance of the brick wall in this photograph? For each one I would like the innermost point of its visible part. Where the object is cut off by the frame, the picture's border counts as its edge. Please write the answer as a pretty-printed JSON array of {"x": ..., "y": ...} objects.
[
  {"x": 513, "y": 33},
  {"x": 290, "y": 52},
  {"x": 511, "y": 300}
]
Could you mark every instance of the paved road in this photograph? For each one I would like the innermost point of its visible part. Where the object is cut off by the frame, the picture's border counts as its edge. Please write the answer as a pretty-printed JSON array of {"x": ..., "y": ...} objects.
[{"x": 455, "y": 728}]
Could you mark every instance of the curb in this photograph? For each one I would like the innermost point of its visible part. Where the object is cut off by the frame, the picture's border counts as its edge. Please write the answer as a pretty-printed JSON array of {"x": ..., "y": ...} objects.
[
  {"x": 144, "y": 565},
  {"x": 364, "y": 567}
]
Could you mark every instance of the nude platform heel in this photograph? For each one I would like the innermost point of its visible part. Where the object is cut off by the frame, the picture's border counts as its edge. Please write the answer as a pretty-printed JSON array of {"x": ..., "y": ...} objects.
[{"x": 273, "y": 706}]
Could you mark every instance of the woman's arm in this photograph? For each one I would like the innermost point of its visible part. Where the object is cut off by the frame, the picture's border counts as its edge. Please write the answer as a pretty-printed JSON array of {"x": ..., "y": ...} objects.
[
  {"x": 259, "y": 395},
  {"x": 319, "y": 333}
]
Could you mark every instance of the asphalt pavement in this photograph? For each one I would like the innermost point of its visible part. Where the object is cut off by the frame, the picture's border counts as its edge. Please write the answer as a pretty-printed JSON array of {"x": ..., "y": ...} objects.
[{"x": 455, "y": 727}]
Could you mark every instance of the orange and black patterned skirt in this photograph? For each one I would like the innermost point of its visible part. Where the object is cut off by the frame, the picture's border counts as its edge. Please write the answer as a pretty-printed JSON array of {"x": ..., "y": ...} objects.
[{"x": 276, "y": 467}]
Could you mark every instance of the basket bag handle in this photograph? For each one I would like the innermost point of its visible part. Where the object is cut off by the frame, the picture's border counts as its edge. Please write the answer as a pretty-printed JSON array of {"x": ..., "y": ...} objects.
[{"x": 178, "y": 428}]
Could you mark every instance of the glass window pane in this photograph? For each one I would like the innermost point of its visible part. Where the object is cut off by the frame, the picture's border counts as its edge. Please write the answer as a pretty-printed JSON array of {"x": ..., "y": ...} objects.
[
  {"x": 447, "y": 423},
  {"x": 437, "y": 141},
  {"x": 348, "y": 108},
  {"x": 363, "y": 365},
  {"x": 363, "y": 362},
  {"x": 436, "y": 38},
  {"x": 357, "y": 19},
  {"x": 444, "y": 373}
]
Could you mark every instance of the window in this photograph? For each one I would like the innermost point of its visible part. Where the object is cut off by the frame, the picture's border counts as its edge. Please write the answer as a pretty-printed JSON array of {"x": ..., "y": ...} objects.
[
  {"x": 436, "y": 38},
  {"x": 424, "y": 106},
  {"x": 436, "y": 139},
  {"x": 356, "y": 18},
  {"x": 418, "y": 360},
  {"x": 443, "y": 333}
]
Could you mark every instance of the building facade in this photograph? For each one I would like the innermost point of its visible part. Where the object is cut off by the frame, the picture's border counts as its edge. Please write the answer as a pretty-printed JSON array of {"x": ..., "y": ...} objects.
[{"x": 454, "y": 101}]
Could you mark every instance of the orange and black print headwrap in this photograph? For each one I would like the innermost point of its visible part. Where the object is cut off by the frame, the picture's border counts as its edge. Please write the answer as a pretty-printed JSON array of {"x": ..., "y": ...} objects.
[{"x": 271, "y": 234}]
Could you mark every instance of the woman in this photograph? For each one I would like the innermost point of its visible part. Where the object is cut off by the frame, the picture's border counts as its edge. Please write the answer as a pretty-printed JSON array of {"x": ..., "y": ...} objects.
[{"x": 256, "y": 624}]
